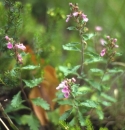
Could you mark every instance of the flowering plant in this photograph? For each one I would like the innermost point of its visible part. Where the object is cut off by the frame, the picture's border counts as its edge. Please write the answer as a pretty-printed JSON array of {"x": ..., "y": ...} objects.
[
  {"x": 85, "y": 94},
  {"x": 89, "y": 78}
]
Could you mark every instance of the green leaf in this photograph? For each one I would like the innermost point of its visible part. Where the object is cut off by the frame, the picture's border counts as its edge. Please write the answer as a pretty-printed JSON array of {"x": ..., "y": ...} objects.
[
  {"x": 65, "y": 102},
  {"x": 65, "y": 115},
  {"x": 100, "y": 114},
  {"x": 81, "y": 119},
  {"x": 115, "y": 70},
  {"x": 17, "y": 100},
  {"x": 88, "y": 36},
  {"x": 30, "y": 67},
  {"x": 40, "y": 102},
  {"x": 10, "y": 108},
  {"x": 105, "y": 103},
  {"x": 71, "y": 47},
  {"x": 118, "y": 54},
  {"x": 31, "y": 120},
  {"x": 93, "y": 60},
  {"x": 73, "y": 122},
  {"x": 72, "y": 28},
  {"x": 108, "y": 97},
  {"x": 68, "y": 71},
  {"x": 97, "y": 72},
  {"x": 93, "y": 84},
  {"x": 90, "y": 103},
  {"x": 33, "y": 83}
]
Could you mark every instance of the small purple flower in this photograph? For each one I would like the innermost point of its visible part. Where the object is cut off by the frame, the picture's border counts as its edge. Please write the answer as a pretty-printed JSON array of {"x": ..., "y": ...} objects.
[
  {"x": 19, "y": 57},
  {"x": 102, "y": 41},
  {"x": 68, "y": 18},
  {"x": 61, "y": 85},
  {"x": 70, "y": 4},
  {"x": 98, "y": 28},
  {"x": 20, "y": 46},
  {"x": 65, "y": 89},
  {"x": 103, "y": 52},
  {"x": 73, "y": 80},
  {"x": 66, "y": 95},
  {"x": 85, "y": 19},
  {"x": 9, "y": 45},
  {"x": 65, "y": 86},
  {"x": 7, "y": 38},
  {"x": 108, "y": 37},
  {"x": 116, "y": 46},
  {"x": 75, "y": 14},
  {"x": 115, "y": 40}
]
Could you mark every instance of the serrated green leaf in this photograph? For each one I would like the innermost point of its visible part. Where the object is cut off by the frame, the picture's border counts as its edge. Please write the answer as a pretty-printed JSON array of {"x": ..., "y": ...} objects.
[
  {"x": 90, "y": 103},
  {"x": 65, "y": 102},
  {"x": 72, "y": 28},
  {"x": 65, "y": 115},
  {"x": 68, "y": 71},
  {"x": 88, "y": 36},
  {"x": 17, "y": 100},
  {"x": 40, "y": 102},
  {"x": 71, "y": 47},
  {"x": 31, "y": 120},
  {"x": 81, "y": 119},
  {"x": 33, "y": 83},
  {"x": 30, "y": 67},
  {"x": 108, "y": 97}
]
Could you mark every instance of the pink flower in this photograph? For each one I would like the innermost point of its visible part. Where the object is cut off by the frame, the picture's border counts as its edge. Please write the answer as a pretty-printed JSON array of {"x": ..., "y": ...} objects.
[
  {"x": 103, "y": 52},
  {"x": 75, "y": 14},
  {"x": 70, "y": 4},
  {"x": 20, "y": 46},
  {"x": 116, "y": 46},
  {"x": 102, "y": 41},
  {"x": 61, "y": 85},
  {"x": 68, "y": 18},
  {"x": 9, "y": 45},
  {"x": 65, "y": 89},
  {"x": 73, "y": 80},
  {"x": 66, "y": 95},
  {"x": 98, "y": 28},
  {"x": 85, "y": 19},
  {"x": 7, "y": 38},
  {"x": 115, "y": 40},
  {"x": 19, "y": 57},
  {"x": 108, "y": 37}
]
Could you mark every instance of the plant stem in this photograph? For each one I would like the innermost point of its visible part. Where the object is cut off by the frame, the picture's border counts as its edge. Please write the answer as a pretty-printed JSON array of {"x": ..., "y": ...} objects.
[
  {"x": 22, "y": 90},
  {"x": 82, "y": 50},
  {"x": 7, "y": 117},
  {"x": 4, "y": 124}
]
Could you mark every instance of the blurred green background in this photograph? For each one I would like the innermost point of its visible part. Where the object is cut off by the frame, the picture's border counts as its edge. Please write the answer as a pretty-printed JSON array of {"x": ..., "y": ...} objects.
[{"x": 44, "y": 27}]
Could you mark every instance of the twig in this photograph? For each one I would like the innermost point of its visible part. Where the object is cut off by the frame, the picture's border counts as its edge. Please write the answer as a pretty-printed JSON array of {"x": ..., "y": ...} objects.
[
  {"x": 7, "y": 117},
  {"x": 4, "y": 124}
]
